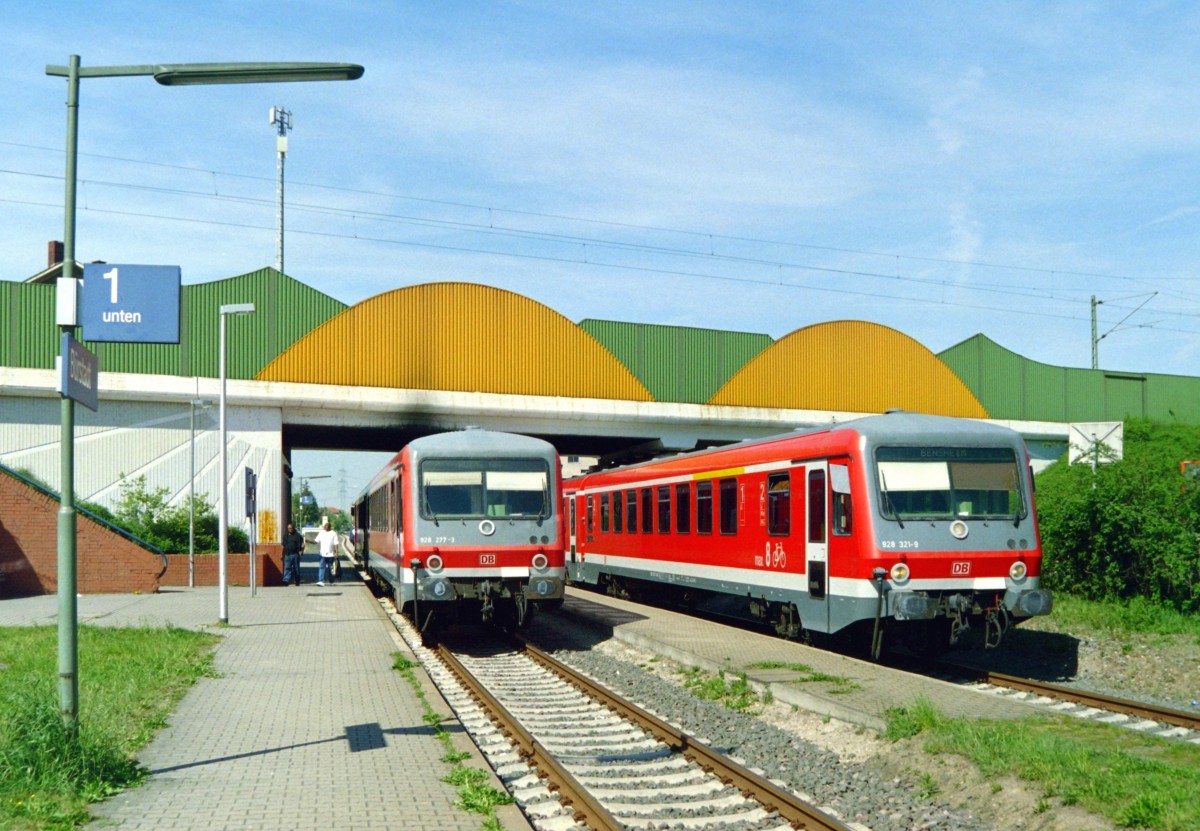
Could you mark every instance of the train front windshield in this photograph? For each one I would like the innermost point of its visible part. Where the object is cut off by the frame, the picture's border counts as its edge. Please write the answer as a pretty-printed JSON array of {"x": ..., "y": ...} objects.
[
  {"x": 484, "y": 488},
  {"x": 949, "y": 482}
]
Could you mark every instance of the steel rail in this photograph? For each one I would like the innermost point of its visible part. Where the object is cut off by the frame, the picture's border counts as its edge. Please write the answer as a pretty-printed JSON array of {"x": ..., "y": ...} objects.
[
  {"x": 571, "y": 793},
  {"x": 790, "y": 807},
  {"x": 1178, "y": 718}
]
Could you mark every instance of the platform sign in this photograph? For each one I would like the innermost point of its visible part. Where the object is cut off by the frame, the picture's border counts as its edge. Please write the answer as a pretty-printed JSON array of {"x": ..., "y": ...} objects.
[
  {"x": 130, "y": 303},
  {"x": 78, "y": 373},
  {"x": 251, "y": 493}
]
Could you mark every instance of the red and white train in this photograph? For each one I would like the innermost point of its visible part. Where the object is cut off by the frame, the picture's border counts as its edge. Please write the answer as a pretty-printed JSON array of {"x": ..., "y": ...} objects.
[
  {"x": 466, "y": 524},
  {"x": 904, "y": 523}
]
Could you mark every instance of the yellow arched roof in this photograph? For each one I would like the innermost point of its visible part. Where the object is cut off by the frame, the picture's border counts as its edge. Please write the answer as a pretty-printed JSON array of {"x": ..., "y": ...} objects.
[
  {"x": 456, "y": 336},
  {"x": 849, "y": 365}
]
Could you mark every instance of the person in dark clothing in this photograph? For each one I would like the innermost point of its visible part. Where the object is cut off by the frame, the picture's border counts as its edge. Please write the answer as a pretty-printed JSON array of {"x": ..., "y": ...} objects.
[{"x": 293, "y": 547}]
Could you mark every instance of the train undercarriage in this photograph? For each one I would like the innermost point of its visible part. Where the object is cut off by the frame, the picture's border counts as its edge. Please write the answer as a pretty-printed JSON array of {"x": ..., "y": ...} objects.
[{"x": 922, "y": 624}]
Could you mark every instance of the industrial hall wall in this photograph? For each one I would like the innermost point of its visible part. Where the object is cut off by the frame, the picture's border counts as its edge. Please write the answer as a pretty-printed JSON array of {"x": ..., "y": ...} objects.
[
  {"x": 682, "y": 364},
  {"x": 1013, "y": 387},
  {"x": 457, "y": 336},
  {"x": 284, "y": 310}
]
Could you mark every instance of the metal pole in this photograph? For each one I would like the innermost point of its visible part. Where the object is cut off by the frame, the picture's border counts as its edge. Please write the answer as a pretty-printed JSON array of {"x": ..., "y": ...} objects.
[
  {"x": 1095, "y": 340},
  {"x": 68, "y": 609},
  {"x": 222, "y": 514},
  {"x": 192, "y": 500},
  {"x": 279, "y": 237}
]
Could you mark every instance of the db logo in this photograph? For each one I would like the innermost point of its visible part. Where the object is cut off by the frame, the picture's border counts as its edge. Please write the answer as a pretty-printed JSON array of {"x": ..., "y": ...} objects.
[
  {"x": 960, "y": 568},
  {"x": 489, "y": 559}
]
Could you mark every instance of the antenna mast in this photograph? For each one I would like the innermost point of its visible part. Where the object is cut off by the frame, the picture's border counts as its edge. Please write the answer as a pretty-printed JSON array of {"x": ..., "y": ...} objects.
[{"x": 282, "y": 119}]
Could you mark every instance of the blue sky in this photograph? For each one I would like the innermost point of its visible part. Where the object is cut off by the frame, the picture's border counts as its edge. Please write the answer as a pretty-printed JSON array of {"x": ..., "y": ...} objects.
[{"x": 944, "y": 169}]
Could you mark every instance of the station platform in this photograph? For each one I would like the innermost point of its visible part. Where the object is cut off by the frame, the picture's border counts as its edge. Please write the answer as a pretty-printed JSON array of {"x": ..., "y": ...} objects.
[
  {"x": 307, "y": 727},
  {"x": 860, "y": 691}
]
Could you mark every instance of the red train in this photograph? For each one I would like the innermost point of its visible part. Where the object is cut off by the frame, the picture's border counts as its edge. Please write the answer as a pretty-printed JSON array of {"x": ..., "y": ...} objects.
[
  {"x": 912, "y": 524},
  {"x": 467, "y": 524}
]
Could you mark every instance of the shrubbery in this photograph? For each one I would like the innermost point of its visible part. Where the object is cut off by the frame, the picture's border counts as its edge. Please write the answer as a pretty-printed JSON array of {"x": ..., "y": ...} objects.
[
  {"x": 147, "y": 515},
  {"x": 1132, "y": 529}
]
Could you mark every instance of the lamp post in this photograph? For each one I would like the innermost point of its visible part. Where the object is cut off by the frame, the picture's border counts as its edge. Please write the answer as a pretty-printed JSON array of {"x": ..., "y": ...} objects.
[
  {"x": 167, "y": 75},
  {"x": 203, "y": 404},
  {"x": 223, "y": 508}
]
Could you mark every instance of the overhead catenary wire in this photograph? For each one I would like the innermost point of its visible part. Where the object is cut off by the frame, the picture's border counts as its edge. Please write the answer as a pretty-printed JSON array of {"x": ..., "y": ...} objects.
[{"x": 708, "y": 249}]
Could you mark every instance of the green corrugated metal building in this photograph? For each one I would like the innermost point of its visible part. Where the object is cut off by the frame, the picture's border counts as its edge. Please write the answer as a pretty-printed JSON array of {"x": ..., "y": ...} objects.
[
  {"x": 1013, "y": 387},
  {"x": 677, "y": 363}
]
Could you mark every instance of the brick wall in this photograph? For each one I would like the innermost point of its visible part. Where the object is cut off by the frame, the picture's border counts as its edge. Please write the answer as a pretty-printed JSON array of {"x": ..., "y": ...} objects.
[
  {"x": 237, "y": 568},
  {"x": 105, "y": 562}
]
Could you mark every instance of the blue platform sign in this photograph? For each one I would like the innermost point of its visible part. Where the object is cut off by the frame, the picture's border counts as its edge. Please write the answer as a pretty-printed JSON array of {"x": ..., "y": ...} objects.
[{"x": 130, "y": 303}]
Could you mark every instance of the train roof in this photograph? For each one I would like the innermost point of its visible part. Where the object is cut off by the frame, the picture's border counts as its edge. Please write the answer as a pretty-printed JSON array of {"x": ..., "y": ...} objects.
[
  {"x": 457, "y": 442},
  {"x": 475, "y": 439}
]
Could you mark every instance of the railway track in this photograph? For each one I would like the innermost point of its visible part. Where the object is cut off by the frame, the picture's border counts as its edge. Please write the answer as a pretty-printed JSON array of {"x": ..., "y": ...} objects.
[
  {"x": 1148, "y": 719},
  {"x": 575, "y": 755},
  {"x": 1135, "y": 715}
]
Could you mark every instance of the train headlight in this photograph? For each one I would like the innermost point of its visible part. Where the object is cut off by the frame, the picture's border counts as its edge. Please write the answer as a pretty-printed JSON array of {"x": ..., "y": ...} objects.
[
  {"x": 540, "y": 561},
  {"x": 434, "y": 563},
  {"x": 1018, "y": 570},
  {"x": 899, "y": 573},
  {"x": 959, "y": 529}
]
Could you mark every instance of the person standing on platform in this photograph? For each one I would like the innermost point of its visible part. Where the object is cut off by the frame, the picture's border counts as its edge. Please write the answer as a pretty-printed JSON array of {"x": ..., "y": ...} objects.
[
  {"x": 293, "y": 547},
  {"x": 327, "y": 542}
]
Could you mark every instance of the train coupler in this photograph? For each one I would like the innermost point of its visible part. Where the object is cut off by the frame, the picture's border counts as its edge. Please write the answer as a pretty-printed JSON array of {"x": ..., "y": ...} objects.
[
  {"x": 996, "y": 622},
  {"x": 960, "y": 624}
]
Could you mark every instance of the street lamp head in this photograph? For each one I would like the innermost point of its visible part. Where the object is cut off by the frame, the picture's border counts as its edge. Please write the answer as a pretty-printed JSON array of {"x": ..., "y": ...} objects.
[
  {"x": 237, "y": 309},
  {"x": 254, "y": 73},
  {"x": 186, "y": 74}
]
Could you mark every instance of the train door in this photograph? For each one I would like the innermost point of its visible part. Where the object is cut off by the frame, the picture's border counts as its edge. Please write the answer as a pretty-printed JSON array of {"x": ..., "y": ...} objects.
[
  {"x": 396, "y": 524},
  {"x": 572, "y": 519},
  {"x": 816, "y": 546}
]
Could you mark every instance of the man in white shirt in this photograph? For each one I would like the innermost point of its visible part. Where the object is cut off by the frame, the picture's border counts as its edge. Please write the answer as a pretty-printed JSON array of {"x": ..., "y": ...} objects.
[{"x": 327, "y": 542}]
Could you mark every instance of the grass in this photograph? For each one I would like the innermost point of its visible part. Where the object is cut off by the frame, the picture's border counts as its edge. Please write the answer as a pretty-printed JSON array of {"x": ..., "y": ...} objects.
[
  {"x": 1137, "y": 781},
  {"x": 735, "y": 695},
  {"x": 839, "y": 685},
  {"x": 1121, "y": 619},
  {"x": 474, "y": 794},
  {"x": 129, "y": 681}
]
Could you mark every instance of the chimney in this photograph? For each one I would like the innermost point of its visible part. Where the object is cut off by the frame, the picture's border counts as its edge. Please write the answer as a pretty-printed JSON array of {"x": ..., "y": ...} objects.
[{"x": 54, "y": 253}]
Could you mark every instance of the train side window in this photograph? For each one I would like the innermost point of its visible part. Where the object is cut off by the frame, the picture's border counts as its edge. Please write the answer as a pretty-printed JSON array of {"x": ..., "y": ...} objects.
[
  {"x": 574, "y": 515},
  {"x": 664, "y": 509},
  {"x": 618, "y": 499},
  {"x": 631, "y": 511},
  {"x": 779, "y": 504},
  {"x": 816, "y": 506},
  {"x": 704, "y": 507},
  {"x": 647, "y": 511},
  {"x": 727, "y": 495},
  {"x": 683, "y": 508},
  {"x": 843, "y": 514},
  {"x": 604, "y": 497},
  {"x": 399, "y": 505},
  {"x": 591, "y": 510}
]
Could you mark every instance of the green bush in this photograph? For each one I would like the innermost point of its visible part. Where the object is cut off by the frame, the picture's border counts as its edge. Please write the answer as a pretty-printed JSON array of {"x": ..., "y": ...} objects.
[
  {"x": 1132, "y": 528},
  {"x": 149, "y": 516}
]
